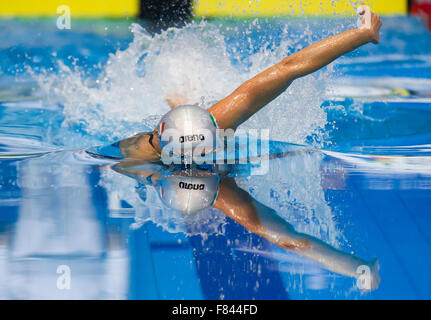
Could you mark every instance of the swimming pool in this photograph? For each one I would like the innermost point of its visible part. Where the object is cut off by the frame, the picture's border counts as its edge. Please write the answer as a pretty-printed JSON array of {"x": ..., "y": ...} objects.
[{"x": 72, "y": 227}]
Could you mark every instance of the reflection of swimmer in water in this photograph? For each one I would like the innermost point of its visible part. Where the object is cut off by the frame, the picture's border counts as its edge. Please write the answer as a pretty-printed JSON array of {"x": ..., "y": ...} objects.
[
  {"x": 252, "y": 95},
  {"x": 190, "y": 191}
]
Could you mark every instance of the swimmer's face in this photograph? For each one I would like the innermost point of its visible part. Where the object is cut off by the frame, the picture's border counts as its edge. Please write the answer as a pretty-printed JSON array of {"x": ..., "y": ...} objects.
[
  {"x": 149, "y": 147},
  {"x": 142, "y": 147}
]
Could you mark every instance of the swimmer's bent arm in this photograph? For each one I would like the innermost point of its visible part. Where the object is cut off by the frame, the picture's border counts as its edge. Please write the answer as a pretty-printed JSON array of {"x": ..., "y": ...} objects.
[{"x": 255, "y": 93}]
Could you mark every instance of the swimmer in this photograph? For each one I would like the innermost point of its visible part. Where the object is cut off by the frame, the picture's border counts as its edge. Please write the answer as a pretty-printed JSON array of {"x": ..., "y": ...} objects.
[
  {"x": 192, "y": 190},
  {"x": 252, "y": 95}
]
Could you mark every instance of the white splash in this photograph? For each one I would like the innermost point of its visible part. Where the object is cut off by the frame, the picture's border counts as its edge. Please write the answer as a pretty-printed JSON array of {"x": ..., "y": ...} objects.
[
  {"x": 193, "y": 61},
  {"x": 293, "y": 188}
]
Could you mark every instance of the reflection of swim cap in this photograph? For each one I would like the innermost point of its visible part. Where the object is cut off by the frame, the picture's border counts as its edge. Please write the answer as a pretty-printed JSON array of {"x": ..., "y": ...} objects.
[
  {"x": 187, "y": 130},
  {"x": 189, "y": 194}
]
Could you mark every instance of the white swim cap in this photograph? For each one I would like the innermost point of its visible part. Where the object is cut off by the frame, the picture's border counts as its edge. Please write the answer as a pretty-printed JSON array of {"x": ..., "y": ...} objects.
[
  {"x": 187, "y": 131},
  {"x": 189, "y": 194}
]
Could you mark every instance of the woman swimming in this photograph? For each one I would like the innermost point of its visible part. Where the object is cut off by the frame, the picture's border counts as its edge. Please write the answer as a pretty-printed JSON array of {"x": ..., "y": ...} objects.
[{"x": 248, "y": 98}]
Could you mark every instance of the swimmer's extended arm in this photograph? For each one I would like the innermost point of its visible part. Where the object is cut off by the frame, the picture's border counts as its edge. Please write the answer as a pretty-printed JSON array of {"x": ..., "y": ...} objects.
[
  {"x": 257, "y": 218},
  {"x": 255, "y": 93}
]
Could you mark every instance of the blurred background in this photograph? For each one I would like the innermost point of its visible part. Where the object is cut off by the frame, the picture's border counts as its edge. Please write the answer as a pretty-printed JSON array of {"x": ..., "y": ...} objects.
[{"x": 176, "y": 10}]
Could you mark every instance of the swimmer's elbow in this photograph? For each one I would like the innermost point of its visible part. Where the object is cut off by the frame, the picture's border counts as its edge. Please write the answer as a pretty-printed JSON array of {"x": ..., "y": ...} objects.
[
  {"x": 246, "y": 93},
  {"x": 294, "y": 67}
]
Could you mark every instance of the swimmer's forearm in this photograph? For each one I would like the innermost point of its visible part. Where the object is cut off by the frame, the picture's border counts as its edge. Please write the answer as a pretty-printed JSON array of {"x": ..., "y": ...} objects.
[
  {"x": 324, "y": 52},
  {"x": 255, "y": 93},
  {"x": 320, "y": 54}
]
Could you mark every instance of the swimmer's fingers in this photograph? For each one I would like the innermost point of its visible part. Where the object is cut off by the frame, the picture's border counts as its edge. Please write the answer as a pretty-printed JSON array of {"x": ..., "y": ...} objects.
[
  {"x": 376, "y": 23},
  {"x": 370, "y": 22},
  {"x": 361, "y": 9},
  {"x": 364, "y": 13}
]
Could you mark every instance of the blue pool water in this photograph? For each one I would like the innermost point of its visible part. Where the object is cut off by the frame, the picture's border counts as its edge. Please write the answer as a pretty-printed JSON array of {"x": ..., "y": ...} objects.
[{"x": 359, "y": 189}]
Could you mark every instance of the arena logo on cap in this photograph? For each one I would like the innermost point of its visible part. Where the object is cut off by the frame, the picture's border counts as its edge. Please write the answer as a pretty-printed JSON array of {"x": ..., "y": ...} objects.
[
  {"x": 191, "y": 186},
  {"x": 192, "y": 138}
]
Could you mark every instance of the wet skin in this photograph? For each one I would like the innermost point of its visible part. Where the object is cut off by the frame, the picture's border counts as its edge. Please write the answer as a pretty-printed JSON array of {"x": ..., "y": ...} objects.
[{"x": 257, "y": 92}]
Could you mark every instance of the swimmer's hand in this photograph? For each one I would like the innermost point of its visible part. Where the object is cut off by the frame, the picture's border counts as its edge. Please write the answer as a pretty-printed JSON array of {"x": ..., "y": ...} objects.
[{"x": 370, "y": 23}]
